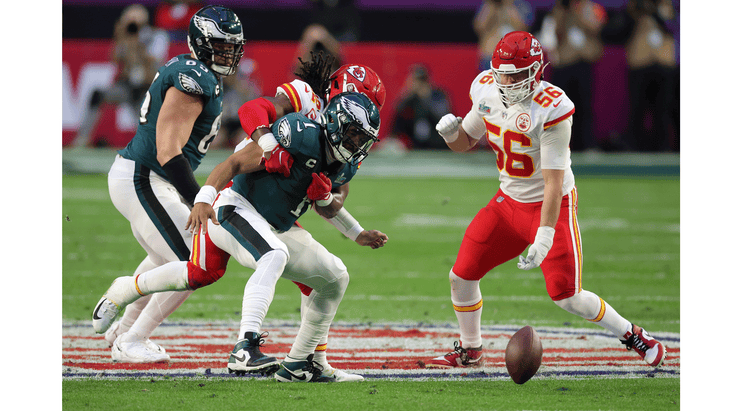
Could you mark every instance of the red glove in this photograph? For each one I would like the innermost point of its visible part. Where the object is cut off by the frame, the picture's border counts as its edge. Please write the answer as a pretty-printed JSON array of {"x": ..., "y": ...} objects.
[
  {"x": 319, "y": 190},
  {"x": 280, "y": 161}
]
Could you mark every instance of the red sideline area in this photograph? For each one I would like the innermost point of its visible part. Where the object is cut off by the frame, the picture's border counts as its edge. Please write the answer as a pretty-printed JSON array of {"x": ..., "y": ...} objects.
[{"x": 86, "y": 65}]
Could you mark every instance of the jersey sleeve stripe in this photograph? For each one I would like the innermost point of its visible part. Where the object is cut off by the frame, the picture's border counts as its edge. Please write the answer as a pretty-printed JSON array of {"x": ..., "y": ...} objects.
[
  {"x": 559, "y": 119},
  {"x": 293, "y": 97}
]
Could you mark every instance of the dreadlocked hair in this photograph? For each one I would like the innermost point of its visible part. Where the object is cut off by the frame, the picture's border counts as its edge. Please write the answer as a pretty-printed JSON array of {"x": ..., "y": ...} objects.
[{"x": 316, "y": 71}]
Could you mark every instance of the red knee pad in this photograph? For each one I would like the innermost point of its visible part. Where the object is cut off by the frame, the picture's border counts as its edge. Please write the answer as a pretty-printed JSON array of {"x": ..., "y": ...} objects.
[
  {"x": 303, "y": 288},
  {"x": 197, "y": 277}
]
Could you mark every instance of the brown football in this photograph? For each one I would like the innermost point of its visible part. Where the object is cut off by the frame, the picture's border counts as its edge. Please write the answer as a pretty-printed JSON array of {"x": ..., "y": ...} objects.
[{"x": 523, "y": 355}]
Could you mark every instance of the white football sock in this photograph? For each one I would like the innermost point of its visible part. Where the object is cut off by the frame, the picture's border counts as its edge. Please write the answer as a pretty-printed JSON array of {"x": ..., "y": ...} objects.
[
  {"x": 314, "y": 325},
  {"x": 131, "y": 313},
  {"x": 594, "y": 309},
  {"x": 172, "y": 276},
  {"x": 467, "y": 300},
  {"x": 320, "y": 352},
  {"x": 133, "y": 310},
  {"x": 160, "y": 307}
]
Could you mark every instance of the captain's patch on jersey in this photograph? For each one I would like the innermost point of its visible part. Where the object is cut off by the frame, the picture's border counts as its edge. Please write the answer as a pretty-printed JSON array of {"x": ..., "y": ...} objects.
[{"x": 189, "y": 84}]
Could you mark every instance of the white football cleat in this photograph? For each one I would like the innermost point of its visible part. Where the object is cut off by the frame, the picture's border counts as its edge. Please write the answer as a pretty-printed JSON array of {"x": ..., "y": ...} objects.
[
  {"x": 113, "y": 333},
  {"x": 130, "y": 347},
  {"x": 105, "y": 312},
  {"x": 121, "y": 293},
  {"x": 338, "y": 375}
]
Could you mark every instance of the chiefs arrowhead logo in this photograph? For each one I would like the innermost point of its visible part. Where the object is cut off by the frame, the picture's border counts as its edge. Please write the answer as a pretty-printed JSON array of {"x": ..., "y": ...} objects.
[
  {"x": 357, "y": 72},
  {"x": 535, "y": 48}
]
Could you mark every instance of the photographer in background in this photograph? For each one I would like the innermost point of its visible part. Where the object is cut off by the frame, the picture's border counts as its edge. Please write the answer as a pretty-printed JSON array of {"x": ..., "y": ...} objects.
[
  {"x": 139, "y": 49},
  {"x": 420, "y": 108}
]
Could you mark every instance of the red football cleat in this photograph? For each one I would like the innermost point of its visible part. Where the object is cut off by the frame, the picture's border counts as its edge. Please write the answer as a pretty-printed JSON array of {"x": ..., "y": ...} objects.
[
  {"x": 651, "y": 350},
  {"x": 459, "y": 358}
]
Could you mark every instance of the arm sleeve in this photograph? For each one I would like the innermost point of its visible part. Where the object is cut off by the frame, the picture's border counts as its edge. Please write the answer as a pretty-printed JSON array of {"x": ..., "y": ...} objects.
[
  {"x": 554, "y": 146},
  {"x": 474, "y": 125},
  {"x": 180, "y": 174},
  {"x": 256, "y": 113}
]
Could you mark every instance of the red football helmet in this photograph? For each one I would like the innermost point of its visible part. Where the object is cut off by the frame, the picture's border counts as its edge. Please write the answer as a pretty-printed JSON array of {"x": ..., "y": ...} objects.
[
  {"x": 358, "y": 79},
  {"x": 517, "y": 52}
]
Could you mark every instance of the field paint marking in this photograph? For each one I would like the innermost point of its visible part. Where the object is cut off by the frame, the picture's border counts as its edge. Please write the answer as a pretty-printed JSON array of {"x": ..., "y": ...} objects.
[{"x": 386, "y": 350}]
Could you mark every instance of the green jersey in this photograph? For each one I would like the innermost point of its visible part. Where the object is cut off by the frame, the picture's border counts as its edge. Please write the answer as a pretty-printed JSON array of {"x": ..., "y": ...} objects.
[
  {"x": 190, "y": 76},
  {"x": 282, "y": 200}
]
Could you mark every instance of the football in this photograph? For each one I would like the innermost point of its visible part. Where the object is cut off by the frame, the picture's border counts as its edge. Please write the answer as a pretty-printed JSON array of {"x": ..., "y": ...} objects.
[{"x": 523, "y": 355}]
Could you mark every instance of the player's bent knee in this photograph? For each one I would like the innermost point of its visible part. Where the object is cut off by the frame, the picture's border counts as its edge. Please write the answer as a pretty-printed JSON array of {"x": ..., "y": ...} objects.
[
  {"x": 338, "y": 287},
  {"x": 276, "y": 256},
  {"x": 197, "y": 277}
]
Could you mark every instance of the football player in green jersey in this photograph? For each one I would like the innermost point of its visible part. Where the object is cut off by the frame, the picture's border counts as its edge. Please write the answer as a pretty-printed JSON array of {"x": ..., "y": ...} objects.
[
  {"x": 253, "y": 221},
  {"x": 151, "y": 181}
]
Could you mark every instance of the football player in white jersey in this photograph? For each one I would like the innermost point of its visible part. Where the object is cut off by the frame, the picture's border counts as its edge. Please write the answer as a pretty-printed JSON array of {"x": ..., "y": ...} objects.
[{"x": 527, "y": 122}]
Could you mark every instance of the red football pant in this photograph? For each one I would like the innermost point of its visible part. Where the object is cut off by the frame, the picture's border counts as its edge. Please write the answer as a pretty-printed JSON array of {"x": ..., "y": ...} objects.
[{"x": 503, "y": 229}]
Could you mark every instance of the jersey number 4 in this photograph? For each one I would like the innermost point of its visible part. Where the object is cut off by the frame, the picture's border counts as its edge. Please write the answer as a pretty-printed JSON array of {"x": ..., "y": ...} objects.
[{"x": 514, "y": 164}]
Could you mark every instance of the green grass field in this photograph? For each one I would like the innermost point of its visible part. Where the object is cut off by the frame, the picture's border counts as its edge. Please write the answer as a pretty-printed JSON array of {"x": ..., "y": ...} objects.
[{"x": 631, "y": 243}]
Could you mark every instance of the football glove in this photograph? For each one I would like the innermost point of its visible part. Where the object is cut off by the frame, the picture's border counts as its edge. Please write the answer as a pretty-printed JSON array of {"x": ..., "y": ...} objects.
[
  {"x": 280, "y": 161},
  {"x": 539, "y": 249},
  {"x": 448, "y": 127},
  {"x": 319, "y": 190}
]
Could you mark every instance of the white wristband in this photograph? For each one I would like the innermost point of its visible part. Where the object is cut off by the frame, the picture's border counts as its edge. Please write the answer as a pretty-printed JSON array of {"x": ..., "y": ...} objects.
[
  {"x": 546, "y": 234},
  {"x": 267, "y": 142},
  {"x": 326, "y": 201},
  {"x": 206, "y": 195},
  {"x": 347, "y": 224}
]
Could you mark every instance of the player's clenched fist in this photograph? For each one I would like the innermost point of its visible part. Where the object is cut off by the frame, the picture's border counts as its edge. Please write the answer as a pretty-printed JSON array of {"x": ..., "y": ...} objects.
[
  {"x": 280, "y": 161},
  {"x": 448, "y": 127},
  {"x": 319, "y": 189}
]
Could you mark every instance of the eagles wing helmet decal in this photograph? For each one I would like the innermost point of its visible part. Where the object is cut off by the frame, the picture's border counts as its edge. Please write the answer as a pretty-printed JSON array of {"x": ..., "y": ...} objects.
[
  {"x": 359, "y": 113},
  {"x": 208, "y": 26}
]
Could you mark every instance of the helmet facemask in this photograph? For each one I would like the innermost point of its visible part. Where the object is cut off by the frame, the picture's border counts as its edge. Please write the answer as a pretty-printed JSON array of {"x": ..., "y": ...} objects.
[
  {"x": 354, "y": 144},
  {"x": 520, "y": 90}
]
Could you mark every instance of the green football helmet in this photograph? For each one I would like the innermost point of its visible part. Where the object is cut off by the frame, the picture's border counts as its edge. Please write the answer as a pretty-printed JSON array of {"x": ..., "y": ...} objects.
[
  {"x": 352, "y": 124},
  {"x": 215, "y": 37}
]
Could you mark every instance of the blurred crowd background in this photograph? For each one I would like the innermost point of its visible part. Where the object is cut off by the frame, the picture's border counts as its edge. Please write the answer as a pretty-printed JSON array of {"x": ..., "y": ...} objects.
[{"x": 618, "y": 60}]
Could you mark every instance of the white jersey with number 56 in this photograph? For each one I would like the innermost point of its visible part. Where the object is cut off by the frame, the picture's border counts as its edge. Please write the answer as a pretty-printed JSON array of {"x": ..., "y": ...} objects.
[{"x": 527, "y": 137}]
